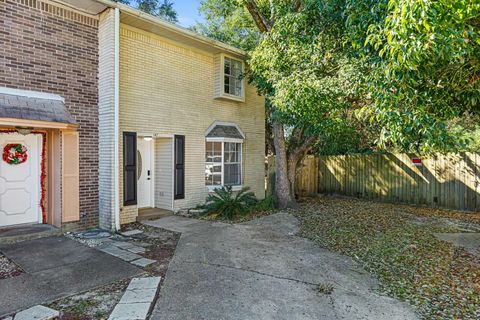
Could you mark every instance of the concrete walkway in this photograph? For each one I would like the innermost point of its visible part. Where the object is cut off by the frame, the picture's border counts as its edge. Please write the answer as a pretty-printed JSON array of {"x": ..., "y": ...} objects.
[
  {"x": 56, "y": 267},
  {"x": 261, "y": 270}
]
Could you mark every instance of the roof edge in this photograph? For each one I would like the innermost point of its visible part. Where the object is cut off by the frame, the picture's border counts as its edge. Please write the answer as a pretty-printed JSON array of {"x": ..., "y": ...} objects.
[
  {"x": 31, "y": 94},
  {"x": 174, "y": 28}
]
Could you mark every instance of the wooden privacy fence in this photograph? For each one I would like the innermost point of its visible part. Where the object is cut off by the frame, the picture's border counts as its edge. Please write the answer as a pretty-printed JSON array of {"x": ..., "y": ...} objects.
[{"x": 447, "y": 181}]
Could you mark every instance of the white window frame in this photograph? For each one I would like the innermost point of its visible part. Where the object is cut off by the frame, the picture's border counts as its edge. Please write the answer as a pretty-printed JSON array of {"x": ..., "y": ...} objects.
[
  {"x": 223, "y": 141},
  {"x": 222, "y": 79}
]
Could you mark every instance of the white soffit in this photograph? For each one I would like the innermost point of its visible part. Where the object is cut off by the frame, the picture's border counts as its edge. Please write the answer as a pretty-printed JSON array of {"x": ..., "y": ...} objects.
[{"x": 88, "y": 6}]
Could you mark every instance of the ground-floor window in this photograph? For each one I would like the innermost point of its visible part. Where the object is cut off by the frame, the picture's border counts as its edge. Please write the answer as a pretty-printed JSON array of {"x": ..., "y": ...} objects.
[{"x": 223, "y": 163}]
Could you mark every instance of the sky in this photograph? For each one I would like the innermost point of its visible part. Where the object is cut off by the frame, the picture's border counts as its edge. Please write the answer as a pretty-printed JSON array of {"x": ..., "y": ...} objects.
[{"x": 187, "y": 12}]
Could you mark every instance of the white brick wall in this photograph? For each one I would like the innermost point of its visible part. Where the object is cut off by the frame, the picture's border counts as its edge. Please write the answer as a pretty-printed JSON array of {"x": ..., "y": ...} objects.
[
  {"x": 106, "y": 84},
  {"x": 167, "y": 88}
]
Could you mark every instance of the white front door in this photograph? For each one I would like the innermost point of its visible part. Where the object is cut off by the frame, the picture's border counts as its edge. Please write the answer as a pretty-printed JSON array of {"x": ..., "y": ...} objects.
[
  {"x": 20, "y": 183},
  {"x": 144, "y": 173}
]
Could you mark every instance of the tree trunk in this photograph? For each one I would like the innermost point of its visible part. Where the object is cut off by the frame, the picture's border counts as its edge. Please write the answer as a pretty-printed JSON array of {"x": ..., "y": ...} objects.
[
  {"x": 296, "y": 155},
  {"x": 283, "y": 189},
  {"x": 292, "y": 172}
]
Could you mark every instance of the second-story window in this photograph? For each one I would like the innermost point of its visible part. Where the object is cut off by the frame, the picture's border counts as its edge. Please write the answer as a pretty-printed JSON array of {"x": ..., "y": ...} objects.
[{"x": 233, "y": 77}]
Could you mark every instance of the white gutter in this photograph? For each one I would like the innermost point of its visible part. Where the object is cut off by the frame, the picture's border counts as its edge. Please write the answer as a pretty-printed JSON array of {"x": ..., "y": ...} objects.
[{"x": 116, "y": 173}]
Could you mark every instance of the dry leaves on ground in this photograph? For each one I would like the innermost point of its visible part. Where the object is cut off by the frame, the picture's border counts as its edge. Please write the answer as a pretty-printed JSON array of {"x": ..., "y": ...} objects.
[{"x": 396, "y": 243}]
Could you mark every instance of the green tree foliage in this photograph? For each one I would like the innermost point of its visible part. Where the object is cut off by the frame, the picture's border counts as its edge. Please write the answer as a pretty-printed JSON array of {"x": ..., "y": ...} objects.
[
  {"x": 418, "y": 58},
  {"x": 228, "y": 22},
  {"x": 167, "y": 12},
  {"x": 304, "y": 68},
  {"x": 425, "y": 58},
  {"x": 148, "y": 6},
  {"x": 163, "y": 9},
  {"x": 350, "y": 135}
]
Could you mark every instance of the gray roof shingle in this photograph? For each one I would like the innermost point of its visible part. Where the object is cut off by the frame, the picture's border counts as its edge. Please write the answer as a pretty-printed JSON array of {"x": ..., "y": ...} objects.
[
  {"x": 29, "y": 108},
  {"x": 225, "y": 131}
]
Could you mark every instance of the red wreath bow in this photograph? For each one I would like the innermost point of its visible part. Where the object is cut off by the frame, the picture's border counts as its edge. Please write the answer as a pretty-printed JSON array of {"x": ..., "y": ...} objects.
[{"x": 15, "y": 153}]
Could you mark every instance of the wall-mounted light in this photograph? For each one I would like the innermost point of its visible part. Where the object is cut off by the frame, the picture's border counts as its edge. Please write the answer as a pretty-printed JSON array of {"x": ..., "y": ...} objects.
[
  {"x": 147, "y": 138},
  {"x": 24, "y": 130}
]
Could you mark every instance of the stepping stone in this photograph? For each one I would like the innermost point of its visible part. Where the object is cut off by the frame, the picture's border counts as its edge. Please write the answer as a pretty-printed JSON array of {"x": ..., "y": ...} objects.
[
  {"x": 138, "y": 296},
  {"x": 123, "y": 245},
  {"x": 128, "y": 256},
  {"x": 37, "y": 313},
  {"x": 131, "y": 233},
  {"x": 105, "y": 241},
  {"x": 111, "y": 249},
  {"x": 120, "y": 253},
  {"x": 131, "y": 311},
  {"x": 144, "y": 283},
  {"x": 143, "y": 262},
  {"x": 136, "y": 249},
  {"x": 137, "y": 299}
]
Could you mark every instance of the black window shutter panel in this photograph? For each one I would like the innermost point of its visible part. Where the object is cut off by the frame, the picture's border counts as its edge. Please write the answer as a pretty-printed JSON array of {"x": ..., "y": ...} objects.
[
  {"x": 179, "y": 167},
  {"x": 129, "y": 168}
]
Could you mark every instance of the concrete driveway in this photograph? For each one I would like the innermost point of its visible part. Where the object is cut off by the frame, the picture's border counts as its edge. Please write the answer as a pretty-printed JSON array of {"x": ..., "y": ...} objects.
[{"x": 262, "y": 270}]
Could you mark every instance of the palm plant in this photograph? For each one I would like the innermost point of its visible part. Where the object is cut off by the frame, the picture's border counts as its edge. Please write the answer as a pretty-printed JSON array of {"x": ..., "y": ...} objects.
[{"x": 228, "y": 204}]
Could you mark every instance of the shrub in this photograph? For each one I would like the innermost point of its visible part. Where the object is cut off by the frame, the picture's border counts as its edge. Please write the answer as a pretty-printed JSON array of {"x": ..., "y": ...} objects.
[
  {"x": 228, "y": 204},
  {"x": 267, "y": 204}
]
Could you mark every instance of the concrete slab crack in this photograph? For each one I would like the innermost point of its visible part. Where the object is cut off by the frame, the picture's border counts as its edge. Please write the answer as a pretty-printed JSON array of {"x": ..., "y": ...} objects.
[{"x": 253, "y": 271}]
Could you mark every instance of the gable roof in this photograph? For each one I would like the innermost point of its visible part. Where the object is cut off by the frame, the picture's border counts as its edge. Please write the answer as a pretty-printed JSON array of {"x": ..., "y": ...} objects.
[{"x": 221, "y": 131}]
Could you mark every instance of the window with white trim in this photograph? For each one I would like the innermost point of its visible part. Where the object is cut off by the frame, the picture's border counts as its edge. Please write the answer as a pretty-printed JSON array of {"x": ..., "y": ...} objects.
[
  {"x": 233, "y": 77},
  {"x": 223, "y": 163}
]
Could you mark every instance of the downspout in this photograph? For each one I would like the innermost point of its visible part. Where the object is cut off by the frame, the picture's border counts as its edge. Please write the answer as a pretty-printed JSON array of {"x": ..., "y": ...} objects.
[{"x": 116, "y": 148}]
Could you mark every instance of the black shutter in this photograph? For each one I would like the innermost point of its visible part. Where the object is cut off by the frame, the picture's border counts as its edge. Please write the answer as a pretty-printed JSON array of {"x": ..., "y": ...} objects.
[
  {"x": 179, "y": 167},
  {"x": 129, "y": 168}
]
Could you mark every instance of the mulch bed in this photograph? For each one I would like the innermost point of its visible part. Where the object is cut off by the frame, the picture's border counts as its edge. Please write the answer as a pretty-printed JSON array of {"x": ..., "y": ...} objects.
[
  {"x": 440, "y": 280},
  {"x": 8, "y": 269}
]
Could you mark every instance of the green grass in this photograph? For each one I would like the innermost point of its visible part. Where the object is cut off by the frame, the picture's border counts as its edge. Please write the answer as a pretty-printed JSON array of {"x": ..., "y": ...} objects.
[{"x": 441, "y": 281}]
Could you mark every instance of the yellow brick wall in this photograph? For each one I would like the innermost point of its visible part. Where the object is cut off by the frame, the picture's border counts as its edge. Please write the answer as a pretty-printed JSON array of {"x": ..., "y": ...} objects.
[{"x": 167, "y": 88}]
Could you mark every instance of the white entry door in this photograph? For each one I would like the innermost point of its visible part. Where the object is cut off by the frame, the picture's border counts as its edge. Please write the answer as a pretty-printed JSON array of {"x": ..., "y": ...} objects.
[
  {"x": 20, "y": 183},
  {"x": 144, "y": 173}
]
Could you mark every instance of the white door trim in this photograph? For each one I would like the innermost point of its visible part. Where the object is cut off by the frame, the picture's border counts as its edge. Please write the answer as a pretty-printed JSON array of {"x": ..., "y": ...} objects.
[
  {"x": 152, "y": 175},
  {"x": 40, "y": 160}
]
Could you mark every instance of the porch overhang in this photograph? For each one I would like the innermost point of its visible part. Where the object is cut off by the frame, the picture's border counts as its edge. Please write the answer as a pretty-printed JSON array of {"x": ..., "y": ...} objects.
[{"x": 22, "y": 108}]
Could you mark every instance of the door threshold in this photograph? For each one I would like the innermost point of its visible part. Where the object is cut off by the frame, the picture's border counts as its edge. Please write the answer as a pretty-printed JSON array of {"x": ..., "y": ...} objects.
[{"x": 152, "y": 213}]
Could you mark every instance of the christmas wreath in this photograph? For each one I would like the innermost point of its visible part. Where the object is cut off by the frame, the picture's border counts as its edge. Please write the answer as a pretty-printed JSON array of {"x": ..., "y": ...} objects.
[{"x": 15, "y": 153}]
